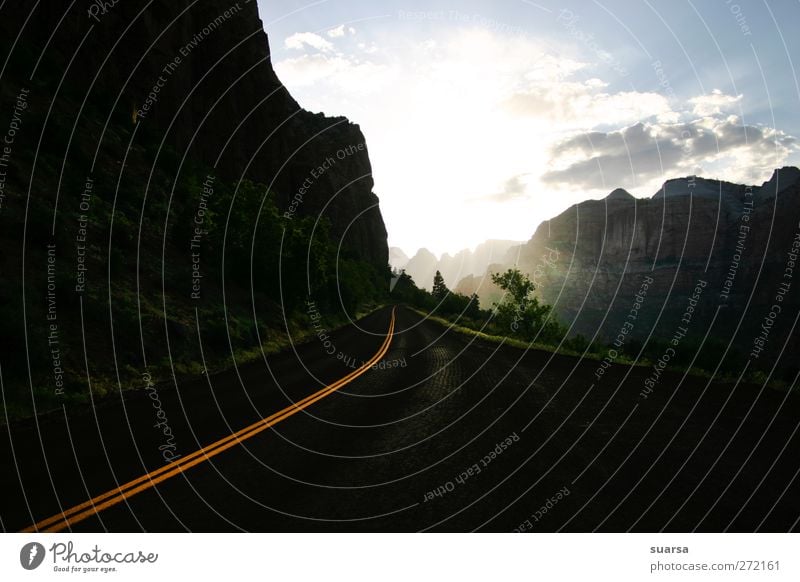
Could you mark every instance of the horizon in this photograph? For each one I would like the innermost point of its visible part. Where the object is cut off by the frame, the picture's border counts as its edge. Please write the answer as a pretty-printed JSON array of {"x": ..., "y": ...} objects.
[
  {"x": 547, "y": 107},
  {"x": 440, "y": 255}
]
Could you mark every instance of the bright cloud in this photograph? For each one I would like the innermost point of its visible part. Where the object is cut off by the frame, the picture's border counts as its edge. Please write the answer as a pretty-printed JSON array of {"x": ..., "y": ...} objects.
[
  {"x": 303, "y": 39},
  {"x": 515, "y": 127},
  {"x": 341, "y": 31},
  {"x": 585, "y": 105},
  {"x": 331, "y": 69},
  {"x": 714, "y": 103}
]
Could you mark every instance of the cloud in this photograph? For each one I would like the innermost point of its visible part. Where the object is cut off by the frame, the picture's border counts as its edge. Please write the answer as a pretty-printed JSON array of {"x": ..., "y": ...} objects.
[
  {"x": 552, "y": 69},
  {"x": 300, "y": 40},
  {"x": 639, "y": 153},
  {"x": 586, "y": 105},
  {"x": 460, "y": 113},
  {"x": 549, "y": 90},
  {"x": 714, "y": 103},
  {"x": 513, "y": 189},
  {"x": 476, "y": 70},
  {"x": 370, "y": 49},
  {"x": 339, "y": 70},
  {"x": 340, "y": 31}
]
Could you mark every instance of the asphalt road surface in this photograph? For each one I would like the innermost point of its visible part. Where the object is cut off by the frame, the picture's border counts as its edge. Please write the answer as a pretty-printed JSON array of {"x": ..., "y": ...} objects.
[{"x": 437, "y": 431}]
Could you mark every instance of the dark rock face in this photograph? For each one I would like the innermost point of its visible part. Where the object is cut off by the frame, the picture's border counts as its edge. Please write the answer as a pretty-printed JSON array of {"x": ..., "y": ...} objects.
[
  {"x": 197, "y": 78},
  {"x": 620, "y": 194},
  {"x": 732, "y": 246}
]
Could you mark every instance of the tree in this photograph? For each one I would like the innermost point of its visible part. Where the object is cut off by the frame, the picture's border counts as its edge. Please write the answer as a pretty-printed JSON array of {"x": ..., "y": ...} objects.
[
  {"x": 518, "y": 286},
  {"x": 440, "y": 290},
  {"x": 474, "y": 307},
  {"x": 520, "y": 313},
  {"x": 406, "y": 290}
]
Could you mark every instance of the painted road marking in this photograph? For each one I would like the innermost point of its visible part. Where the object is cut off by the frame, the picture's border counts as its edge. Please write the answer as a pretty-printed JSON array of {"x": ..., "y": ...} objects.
[{"x": 110, "y": 498}]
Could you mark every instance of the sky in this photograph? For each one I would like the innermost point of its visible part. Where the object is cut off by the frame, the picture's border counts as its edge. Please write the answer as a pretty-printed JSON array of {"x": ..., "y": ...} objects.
[{"x": 484, "y": 119}]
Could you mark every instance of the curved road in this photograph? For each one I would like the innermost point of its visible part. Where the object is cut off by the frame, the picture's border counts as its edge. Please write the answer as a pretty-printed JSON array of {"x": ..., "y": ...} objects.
[{"x": 407, "y": 426}]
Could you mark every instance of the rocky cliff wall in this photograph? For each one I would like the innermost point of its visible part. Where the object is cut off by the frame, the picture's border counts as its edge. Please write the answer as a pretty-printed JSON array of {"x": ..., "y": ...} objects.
[
  {"x": 196, "y": 78},
  {"x": 716, "y": 262}
]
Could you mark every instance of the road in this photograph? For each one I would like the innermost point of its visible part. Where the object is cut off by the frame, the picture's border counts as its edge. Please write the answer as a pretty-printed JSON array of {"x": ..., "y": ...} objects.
[{"x": 436, "y": 431}]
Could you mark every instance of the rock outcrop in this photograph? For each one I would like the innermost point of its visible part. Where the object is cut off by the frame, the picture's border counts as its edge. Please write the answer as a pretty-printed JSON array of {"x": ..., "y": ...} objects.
[
  {"x": 705, "y": 255},
  {"x": 197, "y": 82},
  {"x": 134, "y": 237}
]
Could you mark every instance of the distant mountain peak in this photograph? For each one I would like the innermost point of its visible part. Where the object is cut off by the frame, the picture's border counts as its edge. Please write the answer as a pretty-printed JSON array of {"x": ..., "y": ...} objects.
[
  {"x": 620, "y": 194},
  {"x": 423, "y": 252},
  {"x": 456, "y": 266}
]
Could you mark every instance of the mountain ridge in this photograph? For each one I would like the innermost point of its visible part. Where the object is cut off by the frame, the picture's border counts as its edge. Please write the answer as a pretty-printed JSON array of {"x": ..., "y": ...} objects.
[
  {"x": 424, "y": 264},
  {"x": 589, "y": 261}
]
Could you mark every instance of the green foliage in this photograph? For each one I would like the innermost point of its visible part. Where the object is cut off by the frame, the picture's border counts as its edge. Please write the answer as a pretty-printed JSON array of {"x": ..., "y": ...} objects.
[
  {"x": 708, "y": 356},
  {"x": 289, "y": 259},
  {"x": 406, "y": 291},
  {"x": 522, "y": 320},
  {"x": 440, "y": 290},
  {"x": 578, "y": 344},
  {"x": 517, "y": 285},
  {"x": 357, "y": 284},
  {"x": 473, "y": 307},
  {"x": 520, "y": 313},
  {"x": 268, "y": 263}
]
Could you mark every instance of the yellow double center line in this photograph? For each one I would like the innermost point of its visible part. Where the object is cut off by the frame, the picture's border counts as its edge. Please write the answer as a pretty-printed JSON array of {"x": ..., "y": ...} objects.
[{"x": 97, "y": 504}]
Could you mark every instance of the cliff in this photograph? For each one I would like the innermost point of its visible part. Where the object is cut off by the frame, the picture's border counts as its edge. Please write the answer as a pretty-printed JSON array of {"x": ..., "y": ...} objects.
[
  {"x": 160, "y": 192},
  {"x": 196, "y": 80},
  {"x": 718, "y": 258},
  {"x": 702, "y": 261}
]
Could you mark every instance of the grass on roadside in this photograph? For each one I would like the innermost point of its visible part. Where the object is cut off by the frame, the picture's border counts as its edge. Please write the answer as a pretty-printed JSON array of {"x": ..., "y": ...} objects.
[{"x": 753, "y": 377}]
